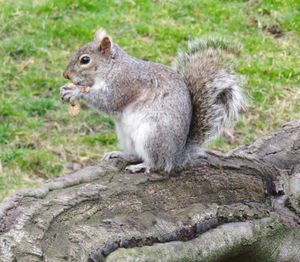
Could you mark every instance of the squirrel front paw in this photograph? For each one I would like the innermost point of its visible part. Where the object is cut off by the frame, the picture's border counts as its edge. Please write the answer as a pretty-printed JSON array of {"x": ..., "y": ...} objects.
[
  {"x": 69, "y": 94},
  {"x": 130, "y": 158}
]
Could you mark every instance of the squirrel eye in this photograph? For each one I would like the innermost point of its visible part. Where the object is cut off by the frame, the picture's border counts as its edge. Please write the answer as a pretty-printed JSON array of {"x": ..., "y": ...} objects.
[{"x": 84, "y": 60}]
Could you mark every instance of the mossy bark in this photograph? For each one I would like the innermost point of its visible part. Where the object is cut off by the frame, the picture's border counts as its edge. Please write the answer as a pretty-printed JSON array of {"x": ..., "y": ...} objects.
[{"x": 239, "y": 206}]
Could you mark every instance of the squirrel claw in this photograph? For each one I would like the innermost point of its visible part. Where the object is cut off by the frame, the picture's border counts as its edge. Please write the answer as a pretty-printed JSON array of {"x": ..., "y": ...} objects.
[
  {"x": 139, "y": 168},
  {"x": 65, "y": 97}
]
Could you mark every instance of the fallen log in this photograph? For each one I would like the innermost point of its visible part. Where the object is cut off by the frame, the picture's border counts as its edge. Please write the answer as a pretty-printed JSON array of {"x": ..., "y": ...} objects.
[{"x": 240, "y": 206}]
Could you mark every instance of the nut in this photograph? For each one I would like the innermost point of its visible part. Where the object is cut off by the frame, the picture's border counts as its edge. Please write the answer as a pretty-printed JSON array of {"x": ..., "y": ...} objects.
[{"x": 74, "y": 109}]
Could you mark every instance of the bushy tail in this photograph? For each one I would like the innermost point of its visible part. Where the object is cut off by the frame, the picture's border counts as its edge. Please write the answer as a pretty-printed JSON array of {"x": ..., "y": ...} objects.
[{"x": 215, "y": 89}]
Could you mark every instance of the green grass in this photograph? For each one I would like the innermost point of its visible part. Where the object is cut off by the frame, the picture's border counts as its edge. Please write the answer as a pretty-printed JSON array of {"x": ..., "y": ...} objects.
[{"x": 39, "y": 140}]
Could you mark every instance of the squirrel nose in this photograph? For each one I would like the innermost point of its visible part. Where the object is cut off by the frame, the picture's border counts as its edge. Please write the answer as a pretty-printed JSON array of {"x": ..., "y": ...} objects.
[{"x": 66, "y": 75}]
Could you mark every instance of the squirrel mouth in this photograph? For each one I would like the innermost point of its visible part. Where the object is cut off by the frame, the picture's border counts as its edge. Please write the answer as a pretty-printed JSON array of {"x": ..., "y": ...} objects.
[{"x": 82, "y": 84}]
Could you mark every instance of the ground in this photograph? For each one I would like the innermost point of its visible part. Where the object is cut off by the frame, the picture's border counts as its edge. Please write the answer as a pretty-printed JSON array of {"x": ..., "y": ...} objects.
[{"x": 39, "y": 140}]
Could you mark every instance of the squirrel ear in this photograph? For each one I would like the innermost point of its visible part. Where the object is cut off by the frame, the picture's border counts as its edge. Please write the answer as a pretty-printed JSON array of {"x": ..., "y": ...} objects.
[
  {"x": 104, "y": 41},
  {"x": 105, "y": 45}
]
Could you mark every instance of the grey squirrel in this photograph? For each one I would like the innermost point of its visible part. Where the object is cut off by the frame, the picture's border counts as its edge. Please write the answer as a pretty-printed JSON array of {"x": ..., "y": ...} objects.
[{"x": 162, "y": 114}]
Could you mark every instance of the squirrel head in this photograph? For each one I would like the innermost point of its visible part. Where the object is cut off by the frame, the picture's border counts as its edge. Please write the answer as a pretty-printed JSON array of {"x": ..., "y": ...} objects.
[{"x": 91, "y": 61}]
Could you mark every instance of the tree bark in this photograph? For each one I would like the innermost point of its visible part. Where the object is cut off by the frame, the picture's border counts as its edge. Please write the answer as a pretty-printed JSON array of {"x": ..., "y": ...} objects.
[{"x": 239, "y": 206}]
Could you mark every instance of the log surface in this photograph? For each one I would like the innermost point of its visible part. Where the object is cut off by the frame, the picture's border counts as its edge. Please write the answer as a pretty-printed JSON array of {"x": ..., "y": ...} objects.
[{"x": 221, "y": 208}]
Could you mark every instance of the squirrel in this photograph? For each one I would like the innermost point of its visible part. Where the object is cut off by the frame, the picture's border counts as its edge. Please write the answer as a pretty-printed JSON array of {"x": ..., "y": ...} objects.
[{"x": 162, "y": 114}]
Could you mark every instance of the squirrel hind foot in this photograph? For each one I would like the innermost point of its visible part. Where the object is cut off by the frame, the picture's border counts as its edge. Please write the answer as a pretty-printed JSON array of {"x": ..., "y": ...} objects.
[{"x": 139, "y": 168}]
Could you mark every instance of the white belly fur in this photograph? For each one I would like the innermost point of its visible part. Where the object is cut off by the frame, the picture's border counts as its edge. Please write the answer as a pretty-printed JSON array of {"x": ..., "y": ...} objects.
[{"x": 133, "y": 130}]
